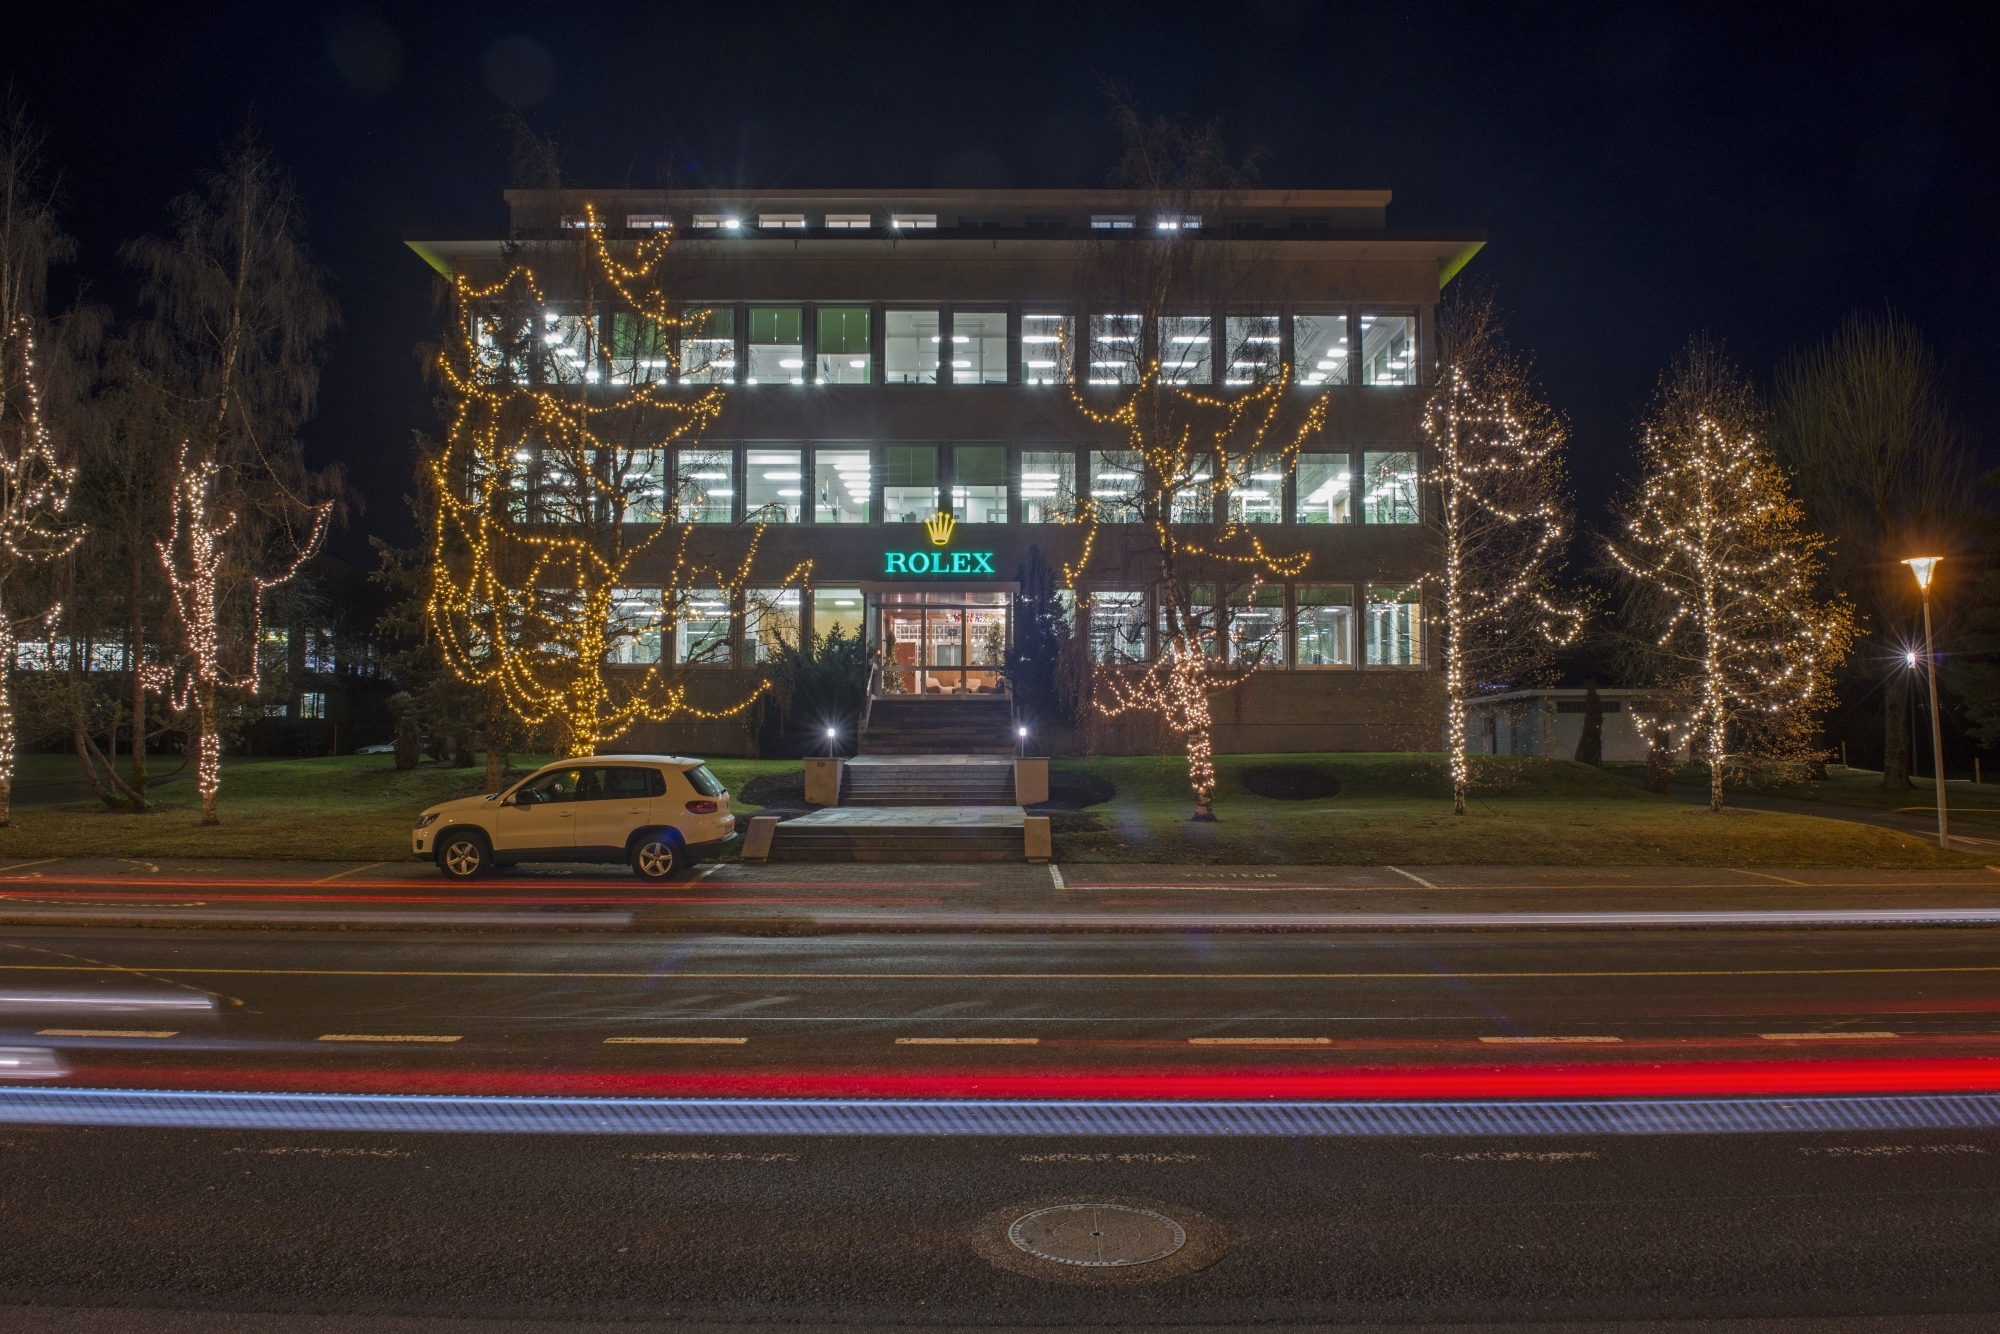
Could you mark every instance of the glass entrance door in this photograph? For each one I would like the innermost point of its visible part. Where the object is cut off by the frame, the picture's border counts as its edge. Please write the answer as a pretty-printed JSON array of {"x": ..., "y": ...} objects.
[
  {"x": 944, "y": 643},
  {"x": 944, "y": 651}
]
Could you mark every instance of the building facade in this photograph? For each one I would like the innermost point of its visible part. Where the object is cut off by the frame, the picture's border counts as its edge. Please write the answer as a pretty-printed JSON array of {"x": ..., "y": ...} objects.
[{"x": 890, "y": 357}]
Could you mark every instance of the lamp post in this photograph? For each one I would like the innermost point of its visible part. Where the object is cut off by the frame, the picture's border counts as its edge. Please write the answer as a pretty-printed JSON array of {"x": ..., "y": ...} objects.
[{"x": 1921, "y": 566}]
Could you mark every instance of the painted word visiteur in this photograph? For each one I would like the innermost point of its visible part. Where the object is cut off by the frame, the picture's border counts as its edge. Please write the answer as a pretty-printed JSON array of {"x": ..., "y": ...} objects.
[{"x": 937, "y": 562}]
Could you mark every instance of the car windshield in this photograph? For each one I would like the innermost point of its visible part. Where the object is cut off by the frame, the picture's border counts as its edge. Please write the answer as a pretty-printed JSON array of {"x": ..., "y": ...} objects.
[{"x": 705, "y": 782}]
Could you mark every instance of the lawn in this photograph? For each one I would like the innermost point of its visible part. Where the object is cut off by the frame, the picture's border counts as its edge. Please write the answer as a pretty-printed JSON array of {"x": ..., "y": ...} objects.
[
  {"x": 1391, "y": 809},
  {"x": 1966, "y": 801}
]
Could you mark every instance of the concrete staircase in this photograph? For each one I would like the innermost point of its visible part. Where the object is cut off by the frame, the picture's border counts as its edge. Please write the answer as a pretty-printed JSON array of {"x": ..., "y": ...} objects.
[
  {"x": 928, "y": 780},
  {"x": 947, "y": 834},
  {"x": 939, "y": 725}
]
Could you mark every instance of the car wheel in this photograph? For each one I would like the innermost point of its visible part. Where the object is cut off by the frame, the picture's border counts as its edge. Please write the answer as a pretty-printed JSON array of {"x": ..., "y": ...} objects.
[
  {"x": 657, "y": 857},
  {"x": 464, "y": 856}
]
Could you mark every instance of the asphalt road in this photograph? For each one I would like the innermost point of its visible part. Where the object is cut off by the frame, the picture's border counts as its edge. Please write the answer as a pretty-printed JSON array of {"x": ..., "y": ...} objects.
[{"x": 905, "y": 1230}]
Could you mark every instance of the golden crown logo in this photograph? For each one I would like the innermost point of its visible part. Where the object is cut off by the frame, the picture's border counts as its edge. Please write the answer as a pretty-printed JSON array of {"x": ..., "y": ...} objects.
[{"x": 940, "y": 526}]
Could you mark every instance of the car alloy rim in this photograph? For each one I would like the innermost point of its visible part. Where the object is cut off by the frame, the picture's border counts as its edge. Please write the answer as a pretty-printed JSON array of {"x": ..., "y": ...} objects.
[
  {"x": 655, "y": 859},
  {"x": 462, "y": 858}
]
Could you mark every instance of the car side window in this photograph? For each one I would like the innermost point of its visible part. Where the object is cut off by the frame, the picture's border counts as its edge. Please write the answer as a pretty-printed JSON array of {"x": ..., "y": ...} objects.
[
  {"x": 620, "y": 784},
  {"x": 704, "y": 781},
  {"x": 558, "y": 786}
]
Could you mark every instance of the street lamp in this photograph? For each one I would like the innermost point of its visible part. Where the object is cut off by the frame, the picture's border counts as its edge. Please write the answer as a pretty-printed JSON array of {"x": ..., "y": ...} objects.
[
  {"x": 831, "y": 733},
  {"x": 1921, "y": 566}
]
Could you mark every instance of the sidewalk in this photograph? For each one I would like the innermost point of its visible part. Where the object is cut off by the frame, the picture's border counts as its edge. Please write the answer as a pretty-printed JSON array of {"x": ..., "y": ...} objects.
[{"x": 796, "y": 899}]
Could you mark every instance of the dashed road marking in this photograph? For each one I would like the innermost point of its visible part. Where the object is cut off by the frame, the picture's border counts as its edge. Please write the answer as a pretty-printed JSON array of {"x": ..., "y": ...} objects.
[
  {"x": 697, "y": 1157},
  {"x": 967, "y": 1042},
  {"x": 1815, "y": 1037},
  {"x": 385, "y": 1037},
  {"x": 1407, "y": 876},
  {"x": 1055, "y": 875},
  {"x": 1537, "y": 1042},
  {"x": 329, "y": 1153},
  {"x": 1516, "y": 1156},
  {"x": 1113, "y": 1158},
  {"x": 676, "y": 1042},
  {"x": 1888, "y": 1150},
  {"x": 1259, "y": 1042},
  {"x": 106, "y": 1033}
]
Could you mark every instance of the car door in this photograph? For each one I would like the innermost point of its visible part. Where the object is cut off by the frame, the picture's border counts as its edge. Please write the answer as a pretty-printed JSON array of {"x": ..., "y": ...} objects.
[
  {"x": 539, "y": 819},
  {"x": 618, "y": 798}
]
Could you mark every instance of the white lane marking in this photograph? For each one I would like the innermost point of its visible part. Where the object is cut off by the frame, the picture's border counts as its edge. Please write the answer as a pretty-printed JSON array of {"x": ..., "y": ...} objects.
[
  {"x": 1511, "y": 1156},
  {"x": 1055, "y": 874},
  {"x": 1536, "y": 1042},
  {"x": 1258, "y": 1042},
  {"x": 384, "y": 1037},
  {"x": 352, "y": 870},
  {"x": 105, "y": 1033},
  {"x": 1783, "y": 880},
  {"x": 697, "y": 1157},
  {"x": 330, "y": 1153},
  {"x": 1114, "y": 1158},
  {"x": 966, "y": 1042},
  {"x": 1814, "y": 1037},
  {"x": 678, "y": 1042},
  {"x": 713, "y": 868},
  {"x": 1889, "y": 1150},
  {"x": 1407, "y": 876},
  {"x": 22, "y": 866}
]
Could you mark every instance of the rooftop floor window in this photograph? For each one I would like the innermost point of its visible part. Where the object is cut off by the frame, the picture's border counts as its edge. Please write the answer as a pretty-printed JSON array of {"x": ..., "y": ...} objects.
[{"x": 1389, "y": 349}]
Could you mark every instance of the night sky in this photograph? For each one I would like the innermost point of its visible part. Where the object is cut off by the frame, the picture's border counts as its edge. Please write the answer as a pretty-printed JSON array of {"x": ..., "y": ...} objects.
[{"x": 1641, "y": 175}]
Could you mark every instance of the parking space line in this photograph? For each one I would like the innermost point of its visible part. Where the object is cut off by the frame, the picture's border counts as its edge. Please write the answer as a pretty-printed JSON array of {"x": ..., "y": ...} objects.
[
  {"x": 1535, "y": 1042},
  {"x": 675, "y": 1042},
  {"x": 385, "y": 1037},
  {"x": 1814, "y": 1037},
  {"x": 105, "y": 1033},
  {"x": 1259, "y": 1042},
  {"x": 967, "y": 1042}
]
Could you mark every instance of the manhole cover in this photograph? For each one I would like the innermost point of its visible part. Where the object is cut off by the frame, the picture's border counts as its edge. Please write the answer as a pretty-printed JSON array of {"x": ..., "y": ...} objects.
[{"x": 1097, "y": 1236}]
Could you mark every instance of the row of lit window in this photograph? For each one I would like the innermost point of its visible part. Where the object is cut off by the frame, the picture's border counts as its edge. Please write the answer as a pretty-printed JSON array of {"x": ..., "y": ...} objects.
[
  {"x": 895, "y": 221},
  {"x": 841, "y": 485},
  {"x": 763, "y": 345}
]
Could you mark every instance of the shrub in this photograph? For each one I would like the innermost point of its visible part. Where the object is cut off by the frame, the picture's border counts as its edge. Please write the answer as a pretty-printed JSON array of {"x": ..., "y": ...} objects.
[{"x": 1292, "y": 782}]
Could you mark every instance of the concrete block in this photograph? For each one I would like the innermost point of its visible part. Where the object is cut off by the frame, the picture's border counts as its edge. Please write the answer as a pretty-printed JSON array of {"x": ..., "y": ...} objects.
[
  {"x": 823, "y": 781},
  {"x": 757, "y": 841},
  {"x": 1031, "y": 780},
  {"x": 1035, "y": 838}
]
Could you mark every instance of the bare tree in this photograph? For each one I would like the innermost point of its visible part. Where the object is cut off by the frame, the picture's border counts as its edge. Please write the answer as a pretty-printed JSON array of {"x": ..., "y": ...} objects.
[
  {"x": 1886, "y": 472},
  {"x": 1721, "y": 572},
  {"x": 1502, "y": 518},
  {"x": 240, "y": 315}
]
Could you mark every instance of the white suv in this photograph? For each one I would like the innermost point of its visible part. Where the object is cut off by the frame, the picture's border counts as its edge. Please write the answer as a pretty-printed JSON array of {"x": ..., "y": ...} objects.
[{"x": 658, "y": 813}]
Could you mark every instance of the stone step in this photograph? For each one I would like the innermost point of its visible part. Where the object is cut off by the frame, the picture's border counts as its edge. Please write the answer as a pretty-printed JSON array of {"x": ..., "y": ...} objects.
[{"x": 916, "y": 844}]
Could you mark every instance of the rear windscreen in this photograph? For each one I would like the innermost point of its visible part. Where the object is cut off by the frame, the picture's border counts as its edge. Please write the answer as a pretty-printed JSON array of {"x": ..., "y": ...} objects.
[{"x": 705, "y": 782}]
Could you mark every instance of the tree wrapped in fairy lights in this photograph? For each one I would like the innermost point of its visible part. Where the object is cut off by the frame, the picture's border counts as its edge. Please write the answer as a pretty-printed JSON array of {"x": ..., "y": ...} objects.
[
  {"x": 1192, "y": 450},
  {"x": 566, "y": 575},
  {"x": 1502, "y": 517},
  {"x": 35, "y": 524},
  {"x": 1721, "y": 574}
]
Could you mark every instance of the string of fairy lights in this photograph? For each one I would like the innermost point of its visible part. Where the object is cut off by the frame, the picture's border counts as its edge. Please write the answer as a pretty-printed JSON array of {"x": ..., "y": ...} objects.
[
  {"x": 1503, "y": 524},
  {"x": 1715, "y": 535},
  {"x": 531, "y": 605},
  {"x": 1193, "y": 448},
  {"x": 34, "y": 524},
  {"x": 193, "y": 555}
]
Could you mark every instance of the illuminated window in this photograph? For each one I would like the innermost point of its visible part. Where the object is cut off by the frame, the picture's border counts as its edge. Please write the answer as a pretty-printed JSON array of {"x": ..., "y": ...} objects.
[
  {"x": 1389, "y": 349},
  {"x": 1115, "y": 479},
  {"x": 1114, "y": 349},
  {"x": 312, "y": 704},
  {"x": 841, "y": 481},
  {"x": 1325, "y": 626},
  {"x": 639, "y": 349},
  {"x": 1257, "y": 625},
  {"x": 1326, "y": 489},
  {"x": 773, "y": 486},
  {"x": 909, "y": 483},
  {"x": 638, "y": 484},
  {"x": 847, "y": 222},
  {"x": 844, "y": 348},
  {"x": 1250, "y": 343},
  {"x": 837, "y": 609},
  {"x": 1257, "y": 492},
  {"x": 321, "y": 653},
  {"x": 1194, "y": 500},
  {"x": 1395, "y": 626},
  {"x": 708, "y": 344},
  {"x": 568, "y": 349},
  {"x": 716, "y": 221},
  {"x": 910, "y": 347},
  {"x": 1389, "y": 487},
  {"x": 979, "y": 347},
  {"x": 704, "y": 482},
  {"x": 633, "y": 637},
  {"x": 648, "y": 222},
  {"x": 777, "y": 347},
  {"x": 913, "y": 221},
  {"x": 770, "y": 622},
  {"x": 1048, "y": 349},
  {"x": 979, "y": 483},
  {"x": 1185, "y": 356},
  {"x": 1117, "y": 626},
  {"x": 1199, "y": 622},
  {"x": 1048, "y": 486},
  {"x": 1112, "y": 222},
  {"x": 1319, "y": 350},
  {"x": 781, "y": 221},
  {"x": 702, "y": 628}
]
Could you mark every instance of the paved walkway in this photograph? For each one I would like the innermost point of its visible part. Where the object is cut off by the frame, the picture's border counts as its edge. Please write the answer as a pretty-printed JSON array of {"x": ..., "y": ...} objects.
[{"x": 1973, "y": 838}]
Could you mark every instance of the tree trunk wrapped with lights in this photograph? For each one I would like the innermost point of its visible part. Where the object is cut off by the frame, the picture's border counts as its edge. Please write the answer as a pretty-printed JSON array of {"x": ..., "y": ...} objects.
[
  {"x": 565, "y": 574},
  {"x": 1502, "y": 518},
  {"x": 1721, "y": 574}
]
